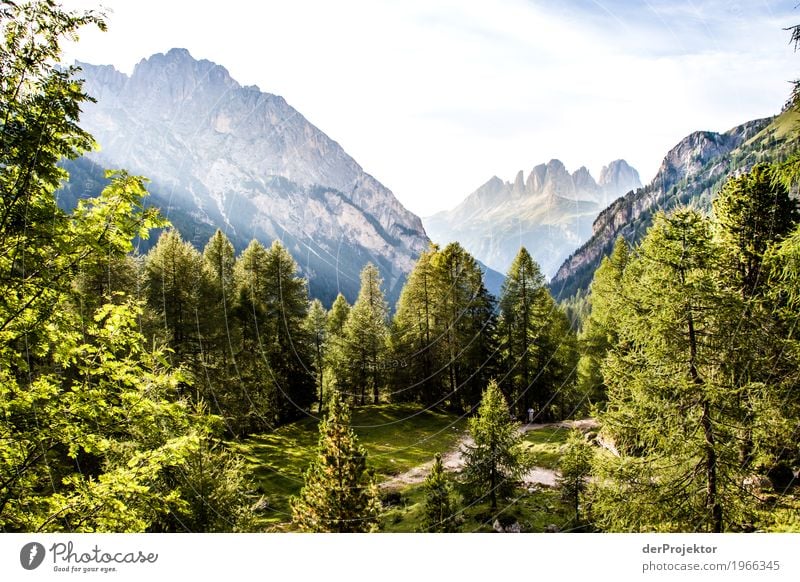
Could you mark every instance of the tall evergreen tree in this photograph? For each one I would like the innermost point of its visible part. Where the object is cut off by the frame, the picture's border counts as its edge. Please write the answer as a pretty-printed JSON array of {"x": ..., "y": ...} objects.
[
  {"x": 337, "y": 317},
  {"x": 674, "y": 412},
  {"x": 316, "y": 328},
  {"x": 271, "y": 306},
  {"x": 338, "y": 495},
  {"x": 466, "y": 316},
  {"x": 439, "y": 506},
  {"x": 417, "y": 336},
  {"x": 444, "y": 331},
  {"x": 535, "y": 340},
  {"x": 599, "y": 333},
  {"x": 220, "y": 332},
  {"x": 365, "y": 336},
  {"x": 173, "y": 276},
  {"x": 495, "y": 459},
  {"x": 575, "y": 465},
  {"x": 752, "y": 211}
]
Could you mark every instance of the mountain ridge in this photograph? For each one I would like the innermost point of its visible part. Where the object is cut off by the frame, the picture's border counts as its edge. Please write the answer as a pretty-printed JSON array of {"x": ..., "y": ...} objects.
[
  {"x": 549, "y": 212},
  {"x": 692, "y": 172},
  {"x": 246, "y": 161}
]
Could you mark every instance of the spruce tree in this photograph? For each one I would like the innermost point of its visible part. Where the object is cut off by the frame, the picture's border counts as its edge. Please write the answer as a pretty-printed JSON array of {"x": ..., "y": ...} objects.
[
  {"x": 338, "y": 494},
  {"x": 439, "y": 506},
  {"x": 495, "y": 459}
]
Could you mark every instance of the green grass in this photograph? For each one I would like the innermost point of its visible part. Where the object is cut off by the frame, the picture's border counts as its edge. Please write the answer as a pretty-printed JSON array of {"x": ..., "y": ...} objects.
[
  {"x": 534, "y": 510},
  {"x": 397, "y": 437},
  {"x": 545, "y": 445}
]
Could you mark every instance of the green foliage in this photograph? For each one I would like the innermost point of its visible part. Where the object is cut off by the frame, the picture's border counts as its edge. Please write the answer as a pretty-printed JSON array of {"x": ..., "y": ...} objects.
[
  {"x": 495, "y": 459},
  {"x": 752, "y": 211},
  {"x": 274, "y": 352},
  {"x": 600, "y": 331},
  {"x": 443, "y": 341},
  {"x": 316, "y": 328},
  {"x": 397, "y": 438},
  {"x": 536, "y": 342},
  {"x": 680, "y": 410},
  {"x": 576, "y": 465},
  {"x": 216, "y": 492},
  {"x": 338, "y": 494},
  {"x": 364, "y": 339},
  {"x": 439, "y": 506}
]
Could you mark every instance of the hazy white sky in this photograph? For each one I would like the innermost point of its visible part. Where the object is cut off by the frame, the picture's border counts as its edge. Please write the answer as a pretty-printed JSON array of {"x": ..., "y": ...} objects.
[{"x": 433, "y": 97}]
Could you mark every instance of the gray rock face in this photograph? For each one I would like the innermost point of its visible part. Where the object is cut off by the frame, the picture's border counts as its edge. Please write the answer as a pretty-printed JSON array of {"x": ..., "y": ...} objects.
[
  {"x": 617, "y": 178},
  {"x": 252, "y": 165},
  {"x": 688, "y": 173},
  {"x": 550, "y": 213}
]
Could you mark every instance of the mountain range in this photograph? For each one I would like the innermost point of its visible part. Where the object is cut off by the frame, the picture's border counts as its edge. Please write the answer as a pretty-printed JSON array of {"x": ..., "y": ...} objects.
[
  {"x": 550, "y": 213},
  {"x": 691, "y": 173},
  {"x": 224, "y": 155}
]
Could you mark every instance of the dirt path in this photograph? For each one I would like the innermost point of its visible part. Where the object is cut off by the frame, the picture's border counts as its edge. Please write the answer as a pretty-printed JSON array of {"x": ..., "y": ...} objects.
[{"x": 453, "y": 460}]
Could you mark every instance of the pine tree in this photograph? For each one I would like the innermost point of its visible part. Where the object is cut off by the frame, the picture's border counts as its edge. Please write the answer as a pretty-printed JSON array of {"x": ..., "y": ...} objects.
[
  {"x": 365, "y": 336},
  {"x": 337, "y": 316},
  {"x": 173, "y": 276},
  {"x": 444, "y": 330},
  {"x": 439, "y": 506},
  {"x": 752, "y": 211},
  {"x": 466, "y": 311},
  {"x": 338, "y": 494},
  {"x": 495, "y": 460},
  {"x": 575, "y": 465}
]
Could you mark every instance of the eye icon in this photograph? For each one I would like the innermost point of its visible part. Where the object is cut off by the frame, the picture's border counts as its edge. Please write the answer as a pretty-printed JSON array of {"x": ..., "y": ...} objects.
[{"x": 31, "y": 555}]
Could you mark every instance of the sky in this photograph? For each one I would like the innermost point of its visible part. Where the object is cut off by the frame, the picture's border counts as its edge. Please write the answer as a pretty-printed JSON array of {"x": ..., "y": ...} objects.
[{"x": 434, "y": 97}]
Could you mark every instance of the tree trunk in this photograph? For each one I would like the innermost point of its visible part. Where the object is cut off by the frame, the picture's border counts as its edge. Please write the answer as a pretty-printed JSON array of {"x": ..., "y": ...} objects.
[{"x": 712, "y": 499}]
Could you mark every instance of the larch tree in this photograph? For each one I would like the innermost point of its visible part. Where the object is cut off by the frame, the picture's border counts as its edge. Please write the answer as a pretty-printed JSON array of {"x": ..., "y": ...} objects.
[
  {"x": 337, "y": 317},
  {"x": 364, "y": 346},
  {"x": 495, "y": 460},
  {"x": 417, "y": 336},
  {"x": 440, "y": 514},
  {"x": 338, "y": 493},
  {"x": 575, "y": 468},
  {"x": 599, "y": 332},
  {"x": 536, "y": 342},
  {"x": 465, "y": 314},
  {"x": 674, "y": 413},
  {"x": 316, "y": 328}
]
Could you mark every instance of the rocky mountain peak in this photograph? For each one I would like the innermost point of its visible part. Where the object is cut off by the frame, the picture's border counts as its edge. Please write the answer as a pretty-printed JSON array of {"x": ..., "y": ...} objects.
[
  {"x": 617, "y": 178},
  {"x": 549, "y": 213},
  {"x": 249, "y": 162}
]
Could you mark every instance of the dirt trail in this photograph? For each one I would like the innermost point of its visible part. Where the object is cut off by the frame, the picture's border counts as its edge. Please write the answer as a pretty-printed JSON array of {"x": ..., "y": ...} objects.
[{"x": 453, "y": 460}]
